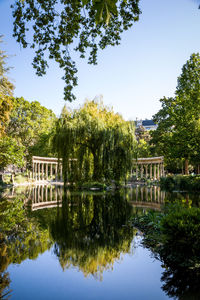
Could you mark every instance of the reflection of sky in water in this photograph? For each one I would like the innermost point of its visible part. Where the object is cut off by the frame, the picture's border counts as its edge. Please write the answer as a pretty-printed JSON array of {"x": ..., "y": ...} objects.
[{"x": 135, "y": 277}]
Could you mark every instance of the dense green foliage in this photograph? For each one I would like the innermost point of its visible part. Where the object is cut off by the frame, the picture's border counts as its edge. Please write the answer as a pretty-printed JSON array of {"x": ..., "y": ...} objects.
[
  {"x": 5, "y": 109},
  {"x": 94, "y": 144},
  {"x": 29, "y": 120},
  {"x": 174, "y": 237},
  {"x": 84, "y": 25},
  {"x": 142, "y": 149},
  {"x": 174, "y": 234},
  {"x": 11, "y": 152},
  {"x": 28, "y": 132},
  {"x": 178, "y": 134}
]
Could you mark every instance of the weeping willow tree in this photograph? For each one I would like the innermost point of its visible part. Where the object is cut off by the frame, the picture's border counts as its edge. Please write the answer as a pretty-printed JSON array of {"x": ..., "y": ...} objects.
[{"x": 94, "y": 143}]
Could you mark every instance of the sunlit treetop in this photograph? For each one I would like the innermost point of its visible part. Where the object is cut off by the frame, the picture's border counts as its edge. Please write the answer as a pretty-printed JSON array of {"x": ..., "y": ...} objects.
[{"x": 58, "y": 28}]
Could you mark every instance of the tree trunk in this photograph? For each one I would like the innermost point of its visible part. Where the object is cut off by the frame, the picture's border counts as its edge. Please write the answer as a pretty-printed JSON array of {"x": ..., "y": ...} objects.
[
  {"x": 186, "y": 167},
  {"x": 1, "y": 178},
  {"x": 97, "y": 170}
]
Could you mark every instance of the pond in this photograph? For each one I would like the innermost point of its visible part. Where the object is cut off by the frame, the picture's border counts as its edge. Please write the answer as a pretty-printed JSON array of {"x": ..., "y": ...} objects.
[{"x": 80, "y": 245}]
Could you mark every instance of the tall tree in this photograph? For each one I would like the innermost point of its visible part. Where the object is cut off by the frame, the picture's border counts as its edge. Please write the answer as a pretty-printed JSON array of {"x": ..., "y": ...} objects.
[
  {"x": 178, "y": 132},
  {"x": 6, "y": 91},
  {"x": 6, "y": 87},
  {"x": 82, "y": 25},
  {"x": 28, "y": 121}
]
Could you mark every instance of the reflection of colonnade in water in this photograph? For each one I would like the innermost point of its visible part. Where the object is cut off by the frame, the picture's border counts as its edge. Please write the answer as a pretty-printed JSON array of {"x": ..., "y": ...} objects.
[
  {"x": 152, "y": 167},
  {"x": 149, "y": 197},
  {"x": 44, "y": 196}
]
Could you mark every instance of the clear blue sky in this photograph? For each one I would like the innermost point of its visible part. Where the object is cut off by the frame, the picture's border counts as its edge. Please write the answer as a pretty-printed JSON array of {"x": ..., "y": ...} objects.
[{"x": 131, "y": 77}]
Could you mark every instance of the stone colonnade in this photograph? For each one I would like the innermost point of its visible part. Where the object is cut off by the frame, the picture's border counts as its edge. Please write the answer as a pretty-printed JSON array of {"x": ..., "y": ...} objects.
[
  {"x": 151, "y": 167},
  {"x": 44, "y": 168}
]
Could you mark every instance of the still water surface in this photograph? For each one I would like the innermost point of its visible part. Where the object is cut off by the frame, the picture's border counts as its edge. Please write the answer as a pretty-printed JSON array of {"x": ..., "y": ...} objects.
[{"x": 78, "y": 245}]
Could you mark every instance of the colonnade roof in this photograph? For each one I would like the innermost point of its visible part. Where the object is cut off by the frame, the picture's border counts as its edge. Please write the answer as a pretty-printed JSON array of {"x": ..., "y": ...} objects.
[
  {"x": 150, "y": 160},
  {"x": 50, "y": 160}
]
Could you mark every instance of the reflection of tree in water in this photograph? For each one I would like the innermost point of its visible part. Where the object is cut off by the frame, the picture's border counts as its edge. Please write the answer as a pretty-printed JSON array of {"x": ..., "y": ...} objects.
[
  {"x": 181, "y": 283},
  {"x": 19, "y": 239},
  {"x": 91, "y": 232},
  {"x": 4, "y": 276}
]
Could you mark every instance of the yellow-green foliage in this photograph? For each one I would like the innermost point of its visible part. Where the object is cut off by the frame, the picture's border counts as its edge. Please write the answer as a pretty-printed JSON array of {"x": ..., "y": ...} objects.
[{"x": 100, "y": 140}]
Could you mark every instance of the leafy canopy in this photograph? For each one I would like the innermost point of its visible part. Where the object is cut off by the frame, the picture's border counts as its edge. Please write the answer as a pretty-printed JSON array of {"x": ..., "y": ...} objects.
[
  {"x": 100, "y": 140},
  {"x": 178, "y": 132},
  {"x": 29, "y": 120},
  {"x": 59, "y": 27}
]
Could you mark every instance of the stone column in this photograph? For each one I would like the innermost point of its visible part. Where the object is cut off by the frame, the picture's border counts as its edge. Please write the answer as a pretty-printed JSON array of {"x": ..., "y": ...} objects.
[
  {"x": 56, "y": 193},
  {"x": 46, "y": 193},
  {"x": 161, "y": 170},
  {"x": 142, "y": 190},
  {"x": 46, "y": 171},
  {"x": 154, "y": 171},
  {"x": 150, "y": 171},
  {"x": 154, "y": 193},
  {"x": 35, "y": 171},
  {"x": 146, "y": 193},
  {"x": 38, "y": 194},
  {"x": 158, "y": 194},
  {"x": 42, "y": 171},
  {"x": 146, "y": 171},
  {"x": 35, "y": 194},
  {"x": 151, "y": 193},
  {"x": 39, "y": 171},
  {"x": 56, "y": 172},
  {"x": 51, "y": 193},
  {"x": 32, "y": 170},
  {"x": 42, "y": 193},
  {"x": 158, "y": 169}
]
